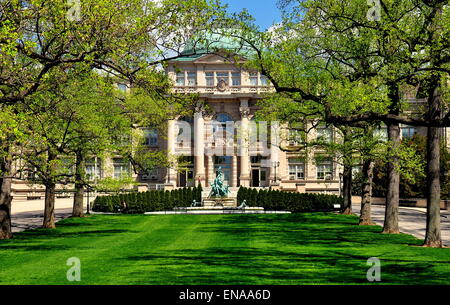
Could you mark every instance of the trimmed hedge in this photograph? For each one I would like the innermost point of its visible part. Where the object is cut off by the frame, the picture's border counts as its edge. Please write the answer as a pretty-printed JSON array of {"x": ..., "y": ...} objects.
[
  {"x": 150, "y": 201},
  {"x": 287, "y": 201},
  {"x": 141, "y": 202}
]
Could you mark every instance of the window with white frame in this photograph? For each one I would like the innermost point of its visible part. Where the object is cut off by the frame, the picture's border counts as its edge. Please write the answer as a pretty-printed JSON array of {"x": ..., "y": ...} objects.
[
  {"x": 191, "y": 78},
  {"x": 209, "y": 77},
  {"x": 408, "y": 132},
  {"x": 236, "y": 78},
  {"x": 324, "y": 133},
  {"x": 296, "y": 137},
  {"x": 180, "y": 79},
  {"x": 264, "y": 80},
  {"x": 296, "y": 167},
  {"x": 150, "y": 137},
  {"x": 253, "y": 76},
  {"x": 381, "y": 133},
  {"x": 94, "y": 169},
  {"x": 222, "y": 76},
  {"x": 324, "y": 169},
  {"x": 121, "y": 168}
]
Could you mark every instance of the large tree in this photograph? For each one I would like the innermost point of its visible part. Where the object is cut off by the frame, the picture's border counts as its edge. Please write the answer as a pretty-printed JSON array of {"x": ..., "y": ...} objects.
[
  {"x": 127, "y": 38},
  {"x": 325, "y": 46}
]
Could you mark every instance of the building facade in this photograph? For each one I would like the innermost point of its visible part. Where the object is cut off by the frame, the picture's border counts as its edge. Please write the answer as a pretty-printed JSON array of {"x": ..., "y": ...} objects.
[{"x": 223, "y": 134}]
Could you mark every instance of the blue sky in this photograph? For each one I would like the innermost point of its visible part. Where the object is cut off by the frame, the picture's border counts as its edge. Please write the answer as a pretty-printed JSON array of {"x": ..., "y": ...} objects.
[{"x": 264, "y": 11}]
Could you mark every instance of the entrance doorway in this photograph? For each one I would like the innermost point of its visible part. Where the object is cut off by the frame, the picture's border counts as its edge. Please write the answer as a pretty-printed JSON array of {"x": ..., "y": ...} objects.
[
  {"x": 186, "y": 178},
  {"x": 259, "y": 177}
]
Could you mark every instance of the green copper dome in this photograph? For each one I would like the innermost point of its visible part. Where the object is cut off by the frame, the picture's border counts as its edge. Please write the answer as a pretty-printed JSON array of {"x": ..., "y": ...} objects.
[{"x": 208, "y": 43}]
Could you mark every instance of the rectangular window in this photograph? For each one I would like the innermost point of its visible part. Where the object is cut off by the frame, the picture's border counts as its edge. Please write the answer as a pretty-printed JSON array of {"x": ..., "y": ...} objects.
[
  {"x": 236, "y": 78},
  {"x": 253, "y": 78},
  {"x": 408, "y": 132},
  {"x": 324, "y": 134},
  {"x": 191, "y": 78},
  {"x": 150, "y": 137},
  {"x": 30, "y": 173},
  {"x": 209, "y": 76},
  {"x": 180, "y": 79},
  {"x": 121, "y": 168},
  {"x": 324, "y": 169},
  {"x": 264, "y": 80},
  {"x": 94, "y": 169},
  {"x": 296, "y": 169},
  {"x": 296, "y": 137},
  {"x": 255, "y": 160},
  {"x": 381, "y": 133},
  {"x": 222, "y": 76}
]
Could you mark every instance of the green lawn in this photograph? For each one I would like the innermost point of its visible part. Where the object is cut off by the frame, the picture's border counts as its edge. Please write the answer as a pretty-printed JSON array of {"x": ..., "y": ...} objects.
[{"x": 315, "y": 248}]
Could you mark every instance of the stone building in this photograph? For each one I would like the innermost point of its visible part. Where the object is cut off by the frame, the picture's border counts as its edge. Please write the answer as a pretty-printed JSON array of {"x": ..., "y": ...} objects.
[{"x": 223, "y": 133}]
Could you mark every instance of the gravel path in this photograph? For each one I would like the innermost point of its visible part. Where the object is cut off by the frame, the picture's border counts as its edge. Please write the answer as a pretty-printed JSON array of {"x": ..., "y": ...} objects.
[
  {"x": 412, "y": 220},
  {"x": 28, "y": 214}
]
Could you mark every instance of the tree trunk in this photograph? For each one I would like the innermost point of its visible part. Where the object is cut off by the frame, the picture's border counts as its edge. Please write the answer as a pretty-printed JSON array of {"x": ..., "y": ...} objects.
[
  {"x": 79, "y": 186},
  {"x": 50, "y": 188},
  {"x": 5, "y": 197},
  {"x": 49, "y": 211},
  {"x": 366, "y": 194},
  {"x": 347, "y": 190},
  {"x": 433, "y": 228},
  {"x": 393, "y": 189}
]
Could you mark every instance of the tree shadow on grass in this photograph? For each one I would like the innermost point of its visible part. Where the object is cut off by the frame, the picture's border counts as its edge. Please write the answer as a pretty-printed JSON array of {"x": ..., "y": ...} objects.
[
  {"x": 316, "y": 252},
  {"x": 307, "y": 229},
  {"x": 268, "y": 266},
  {"x": 31, "y": 247},
  {"x": 37, "y": 239}
]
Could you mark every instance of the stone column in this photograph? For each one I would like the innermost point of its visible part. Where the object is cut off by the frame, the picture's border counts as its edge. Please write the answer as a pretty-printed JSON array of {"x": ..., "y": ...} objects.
[
  {"x": 210, "y": 165},
  {"x": 275, "y": 154},
  {"x": 244, "y": 143},
  {"x": 199, "y": 147},
  {"x": 171, "y": 173},
  {"x": 234, "y": 171}
]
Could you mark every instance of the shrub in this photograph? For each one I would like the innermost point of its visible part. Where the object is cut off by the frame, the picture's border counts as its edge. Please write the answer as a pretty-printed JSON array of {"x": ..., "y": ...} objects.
[
  {"x": 288, "y": 201},
  {"x": 147, "y": 201}
]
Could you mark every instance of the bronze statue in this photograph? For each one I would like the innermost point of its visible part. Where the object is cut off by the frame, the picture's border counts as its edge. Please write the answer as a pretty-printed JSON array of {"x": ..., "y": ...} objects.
[{"x": 218, "y": 189}]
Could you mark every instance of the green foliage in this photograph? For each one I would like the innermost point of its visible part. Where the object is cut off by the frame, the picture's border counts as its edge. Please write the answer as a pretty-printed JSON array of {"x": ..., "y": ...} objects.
[
  {"x": 306, "y": 248},
  {"x": 150, "y": 201},
  {"x": 412, "y": 171},
  {"x": 167, "y": 200},
  {"x": 115, "y": 185},
  {"x": 287, "y": 201}
]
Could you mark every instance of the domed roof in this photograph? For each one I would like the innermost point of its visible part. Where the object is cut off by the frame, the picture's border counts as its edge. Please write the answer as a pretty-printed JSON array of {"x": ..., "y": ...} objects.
[{"x": 207, "y": 43}]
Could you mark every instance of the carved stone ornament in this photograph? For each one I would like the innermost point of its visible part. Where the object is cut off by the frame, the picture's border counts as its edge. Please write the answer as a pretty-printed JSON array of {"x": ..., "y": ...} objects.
[
  {"x": 222, "y": 85},
  {"x": 200, "y": 108},
  {"x": 245, "y": 111}
]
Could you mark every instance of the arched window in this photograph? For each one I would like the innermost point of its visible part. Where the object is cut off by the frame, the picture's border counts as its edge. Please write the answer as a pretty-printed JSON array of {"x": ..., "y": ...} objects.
[
  {"x": 223, "y": 118},
  {"x": 188, "y": 119}
]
